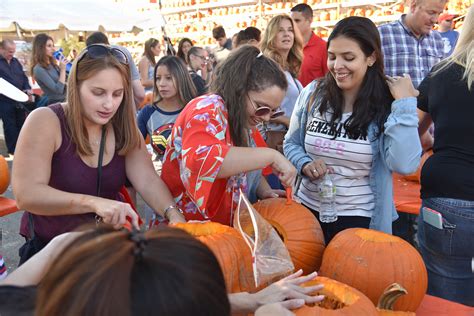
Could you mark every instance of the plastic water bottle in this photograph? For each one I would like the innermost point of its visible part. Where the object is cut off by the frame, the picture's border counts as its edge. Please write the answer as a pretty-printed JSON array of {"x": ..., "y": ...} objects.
[
  {"x": 327, "y": 195},
  {"x": 58, "y": 55}
]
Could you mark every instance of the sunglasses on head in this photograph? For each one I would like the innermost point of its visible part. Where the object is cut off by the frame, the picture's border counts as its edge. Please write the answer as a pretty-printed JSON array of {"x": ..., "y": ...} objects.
[
  {"x": 265, "y": 110},
  {"x": 96, "y": 51}
]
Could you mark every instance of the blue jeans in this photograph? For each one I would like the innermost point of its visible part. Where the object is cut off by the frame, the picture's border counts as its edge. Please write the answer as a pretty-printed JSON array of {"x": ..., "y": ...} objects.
[{"x": 449, "y": 252}]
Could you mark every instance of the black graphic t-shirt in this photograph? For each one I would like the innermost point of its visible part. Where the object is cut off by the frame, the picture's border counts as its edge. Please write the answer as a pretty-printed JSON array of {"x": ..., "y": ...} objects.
[{"x": 450, "y": 171}]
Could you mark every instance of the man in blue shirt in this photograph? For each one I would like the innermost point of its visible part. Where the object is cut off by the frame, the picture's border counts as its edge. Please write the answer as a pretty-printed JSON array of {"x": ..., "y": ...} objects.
[
  {"x": 409, "y": 44},
  {"x": 450, "y": 37},
  {"x": 12, "y": 71}
]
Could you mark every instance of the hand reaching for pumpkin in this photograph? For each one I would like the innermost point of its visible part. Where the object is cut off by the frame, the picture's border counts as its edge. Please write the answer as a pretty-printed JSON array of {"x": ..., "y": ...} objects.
[{"x": 287, "y": 292}]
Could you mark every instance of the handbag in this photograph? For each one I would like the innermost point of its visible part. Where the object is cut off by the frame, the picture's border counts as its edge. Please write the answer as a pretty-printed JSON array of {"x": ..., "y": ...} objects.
[{"x": 34, "y": 244}]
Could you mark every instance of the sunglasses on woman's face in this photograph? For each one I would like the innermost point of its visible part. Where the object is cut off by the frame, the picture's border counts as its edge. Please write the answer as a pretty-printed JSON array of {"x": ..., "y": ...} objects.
[
  {"x": 95, "y": 51},
  {"x": 263, "y": 110}
]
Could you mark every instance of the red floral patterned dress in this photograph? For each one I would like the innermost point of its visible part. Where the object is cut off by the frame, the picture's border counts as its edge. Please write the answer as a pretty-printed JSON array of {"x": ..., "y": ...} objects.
[{"x": 199, "y": 142}]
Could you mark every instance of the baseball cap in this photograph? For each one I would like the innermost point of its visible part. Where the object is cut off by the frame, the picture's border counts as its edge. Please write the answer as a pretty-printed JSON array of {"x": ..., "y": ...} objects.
[{"x": 445, "y": 16}]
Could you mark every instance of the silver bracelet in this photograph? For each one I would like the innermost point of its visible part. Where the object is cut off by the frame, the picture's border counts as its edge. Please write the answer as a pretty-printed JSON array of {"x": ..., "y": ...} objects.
[{"x": 171, "y": 207}]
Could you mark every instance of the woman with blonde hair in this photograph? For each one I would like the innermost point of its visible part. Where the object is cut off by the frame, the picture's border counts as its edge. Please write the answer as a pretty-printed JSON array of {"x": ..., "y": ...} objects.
[
  {"x": 446, "y": 220},
  {"x": 72, "y": 158},
  {"x": 49, "y": 73},
  {"x": 282, "y": 43},
  {"x": 147, "y": 63}
]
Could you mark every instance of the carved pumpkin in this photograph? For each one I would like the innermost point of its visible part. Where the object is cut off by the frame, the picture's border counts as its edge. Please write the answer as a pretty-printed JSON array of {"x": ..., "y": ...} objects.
[
  {"x": 299, "y": 230},
  {"x": 340, "y": 299},
  {"x": 370, "y": 260},
  {"x": 4, "y": 175},
  {"x": 231, "y": 251}
]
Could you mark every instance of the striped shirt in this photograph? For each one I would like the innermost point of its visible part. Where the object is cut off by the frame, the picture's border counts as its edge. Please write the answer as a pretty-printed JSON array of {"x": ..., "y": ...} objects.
[
  {"x": 351, "y": 161},
  {"x": 405, "y": 53},
  {"x": 3, "y": 269}
]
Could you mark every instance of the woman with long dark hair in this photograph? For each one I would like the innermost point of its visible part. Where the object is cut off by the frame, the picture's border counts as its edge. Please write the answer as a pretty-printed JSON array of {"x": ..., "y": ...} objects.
[
  {"x": 358, "y": 123},
  {"x": 184, "y": 46},
  {"x": 49, "y": 73}
]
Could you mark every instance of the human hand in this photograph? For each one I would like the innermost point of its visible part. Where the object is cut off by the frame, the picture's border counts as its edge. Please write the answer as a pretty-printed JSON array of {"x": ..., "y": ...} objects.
[
  {"x": 115, "y": 213},
  {"x": 174, "y": 216},
  {"x": 268, "y": 194},
  {"x": 284, "y": 169},
  {"x": 315, "y": 169},
  {"x": 289, "y": 292},
  {"x": 62, "y": 63},
  {"x": 279, "y": 309},
  {"x": 401, "y": 87}
]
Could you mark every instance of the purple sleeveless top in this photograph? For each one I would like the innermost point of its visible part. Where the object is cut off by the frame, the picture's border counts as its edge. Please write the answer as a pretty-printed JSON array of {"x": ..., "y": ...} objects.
[{"x": 69, "y": 173}]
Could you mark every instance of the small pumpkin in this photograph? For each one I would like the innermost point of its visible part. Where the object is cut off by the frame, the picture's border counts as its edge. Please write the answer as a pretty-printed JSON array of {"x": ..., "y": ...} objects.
[
  {"x": 370, "y": 260},
  {"x": 231, "y": 252},
  {"x": 4, "y": 175},
  {"x": 388, "y": 298},
  {"x": 299, "y": 230},
  {"x": 340, "y": 299}
]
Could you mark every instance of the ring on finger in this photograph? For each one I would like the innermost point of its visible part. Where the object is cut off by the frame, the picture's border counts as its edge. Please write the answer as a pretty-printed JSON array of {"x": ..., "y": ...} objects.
[{"x": 314, "y": 171}]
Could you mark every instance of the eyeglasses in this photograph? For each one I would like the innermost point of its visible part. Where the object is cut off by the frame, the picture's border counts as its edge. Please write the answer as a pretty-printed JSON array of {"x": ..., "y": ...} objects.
[
  {"x": 265, "y": 110},
  {"x": 95, "y": 51},
  {"x": 202, "y": 57}
]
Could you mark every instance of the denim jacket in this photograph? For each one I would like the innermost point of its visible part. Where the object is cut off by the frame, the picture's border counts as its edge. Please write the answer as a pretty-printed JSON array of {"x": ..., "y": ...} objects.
[{"x": 398, "y": 149}]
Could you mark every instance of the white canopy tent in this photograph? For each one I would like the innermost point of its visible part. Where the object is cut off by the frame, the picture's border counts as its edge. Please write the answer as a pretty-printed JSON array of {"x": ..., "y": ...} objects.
[{"x": 76, "y": 15}]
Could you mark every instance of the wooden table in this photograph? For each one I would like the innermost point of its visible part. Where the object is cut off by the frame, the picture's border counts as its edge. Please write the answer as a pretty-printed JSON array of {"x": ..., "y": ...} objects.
[
  {"x": 435, "y": 306},
  {"x": 406, "y": 195}
]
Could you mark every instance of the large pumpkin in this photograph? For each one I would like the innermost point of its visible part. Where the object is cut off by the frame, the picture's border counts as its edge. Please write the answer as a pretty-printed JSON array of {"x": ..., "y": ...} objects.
[
  {"x": 299, "y": 230},
  {"x": 370, "y": 261},
  {"x": 339, "y": 299},
  {"x": 4, "y": 175},
  {"x": 231, "y": 251}
]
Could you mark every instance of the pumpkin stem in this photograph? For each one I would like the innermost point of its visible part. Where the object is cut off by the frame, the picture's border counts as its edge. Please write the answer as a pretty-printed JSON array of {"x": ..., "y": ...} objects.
[
  {"x": 390, "y": 296},
  {"x": 289, "y": 195}
]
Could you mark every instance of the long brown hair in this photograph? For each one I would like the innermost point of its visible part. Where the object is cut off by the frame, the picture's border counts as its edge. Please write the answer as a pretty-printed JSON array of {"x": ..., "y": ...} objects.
[
  {"x": 295, "y": 56},
  {"x": 181, "y": 78},
  {"x": 150, "y": 56},
  {"x": 373, "y": 101},
  {"x": 123, "y": 122},
  {"x": 244, "y": 70},
  {"x": 106, "y": 272},
  {"x": 38, "y": 53}
]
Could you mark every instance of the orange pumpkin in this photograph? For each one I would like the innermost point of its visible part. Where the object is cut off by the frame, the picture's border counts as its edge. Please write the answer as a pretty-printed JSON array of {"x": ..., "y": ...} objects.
[
  {"x": 299, "y": 230},
  {"x": 340, "y": 299},
  {"x": 370, "y": 260},
  {"x": 4, "y": 175},
  {"x": 231, "y": 251}
]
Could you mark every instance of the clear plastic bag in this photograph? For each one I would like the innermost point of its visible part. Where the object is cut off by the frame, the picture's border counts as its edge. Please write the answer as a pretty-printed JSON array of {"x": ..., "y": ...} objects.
[{"x": 270, "y": 257}]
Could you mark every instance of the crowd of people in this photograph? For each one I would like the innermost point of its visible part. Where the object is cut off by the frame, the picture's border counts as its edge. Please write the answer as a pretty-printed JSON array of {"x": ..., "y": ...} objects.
[{"x": 357, "y": 107}]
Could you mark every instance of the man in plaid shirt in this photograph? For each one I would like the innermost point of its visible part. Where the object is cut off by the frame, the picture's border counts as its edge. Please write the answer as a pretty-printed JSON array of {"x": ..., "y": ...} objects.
[{"x": 409, "y": 44}]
